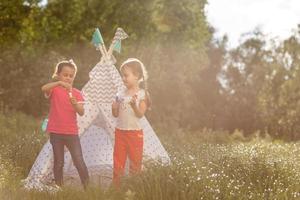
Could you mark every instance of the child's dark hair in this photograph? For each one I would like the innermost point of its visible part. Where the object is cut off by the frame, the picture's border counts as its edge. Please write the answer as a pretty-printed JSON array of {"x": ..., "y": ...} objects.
[
  {"x": 60, "y": 65},
  {"x": 138, "y": 69}
]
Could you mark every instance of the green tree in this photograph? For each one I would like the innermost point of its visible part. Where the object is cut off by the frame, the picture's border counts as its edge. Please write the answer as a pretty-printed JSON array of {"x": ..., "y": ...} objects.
[
  {"x": 245, "y": 71},
  {"x": 280, "y": 96}
]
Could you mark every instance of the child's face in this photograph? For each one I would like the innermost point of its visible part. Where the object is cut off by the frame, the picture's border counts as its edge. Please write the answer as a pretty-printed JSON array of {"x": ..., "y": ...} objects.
[
  {"x": 129, "y": 78},
  {"x": 67, "y": 74}
]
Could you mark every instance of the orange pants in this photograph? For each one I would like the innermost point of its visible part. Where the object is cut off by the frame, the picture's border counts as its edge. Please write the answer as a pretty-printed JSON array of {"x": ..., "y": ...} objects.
[{"x": 127, "y": 143}]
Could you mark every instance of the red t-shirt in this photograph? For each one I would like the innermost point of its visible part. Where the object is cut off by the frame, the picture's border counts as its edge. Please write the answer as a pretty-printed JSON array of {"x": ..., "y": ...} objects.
[{"x": 62, "y": 116}]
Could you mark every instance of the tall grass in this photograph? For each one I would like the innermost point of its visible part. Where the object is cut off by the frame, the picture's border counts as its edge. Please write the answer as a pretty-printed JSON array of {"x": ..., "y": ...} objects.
[
  {"x": 20, "y": 139},
  {"x": 205, "y": 165}
]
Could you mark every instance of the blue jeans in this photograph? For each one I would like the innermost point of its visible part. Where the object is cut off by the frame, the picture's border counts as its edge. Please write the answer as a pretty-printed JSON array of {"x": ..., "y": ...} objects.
[{"x": 72, "y": 142}]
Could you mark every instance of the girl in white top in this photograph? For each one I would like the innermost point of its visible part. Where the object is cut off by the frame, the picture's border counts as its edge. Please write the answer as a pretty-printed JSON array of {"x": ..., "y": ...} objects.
[{"x": 129, "y": 106}]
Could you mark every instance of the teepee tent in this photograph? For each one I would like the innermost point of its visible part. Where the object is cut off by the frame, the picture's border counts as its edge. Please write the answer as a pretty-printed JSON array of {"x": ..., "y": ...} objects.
[{"x": 96, "y": 127}]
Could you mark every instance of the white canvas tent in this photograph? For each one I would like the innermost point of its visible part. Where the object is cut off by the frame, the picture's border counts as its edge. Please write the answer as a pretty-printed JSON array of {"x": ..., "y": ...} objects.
[{"x": 96, "y": 127}]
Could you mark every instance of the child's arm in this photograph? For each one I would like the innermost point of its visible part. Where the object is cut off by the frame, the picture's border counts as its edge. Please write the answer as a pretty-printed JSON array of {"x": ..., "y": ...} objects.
[
  {"x": 115, "y": 109},
  {"x": 77, "y": 106},
  {"x": 140, "y": 110},
  {"x": 47, "y": 87}
]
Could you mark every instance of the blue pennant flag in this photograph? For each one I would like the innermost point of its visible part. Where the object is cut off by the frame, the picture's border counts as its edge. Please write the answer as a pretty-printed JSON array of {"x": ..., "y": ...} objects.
[
  {"x": 97, "y": 38},
  {"x": 117, "y": 46}
]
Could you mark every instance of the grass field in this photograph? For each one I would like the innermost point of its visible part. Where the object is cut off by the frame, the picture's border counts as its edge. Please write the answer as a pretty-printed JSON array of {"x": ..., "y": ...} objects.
[{"x": 205, "y": 165}]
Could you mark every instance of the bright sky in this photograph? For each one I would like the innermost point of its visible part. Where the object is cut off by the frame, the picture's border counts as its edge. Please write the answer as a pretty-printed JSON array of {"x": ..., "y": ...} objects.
[{"x": 276, "y": 18}]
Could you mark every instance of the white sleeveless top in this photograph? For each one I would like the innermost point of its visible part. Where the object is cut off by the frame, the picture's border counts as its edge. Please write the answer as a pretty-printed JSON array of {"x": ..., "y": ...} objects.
[{"x": 127, "y": 120}]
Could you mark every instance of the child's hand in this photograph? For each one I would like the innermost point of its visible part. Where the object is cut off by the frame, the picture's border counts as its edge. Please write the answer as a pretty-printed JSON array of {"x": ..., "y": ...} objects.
[
  {"x": 115, "y": 108},
  {"x": 115, "y": 105},
  {"x": 133, "y": 101},
  {"x": 73, "y": 100},
  {"x": 77, "y": 106},
  {"x": 65, "y": 85}
]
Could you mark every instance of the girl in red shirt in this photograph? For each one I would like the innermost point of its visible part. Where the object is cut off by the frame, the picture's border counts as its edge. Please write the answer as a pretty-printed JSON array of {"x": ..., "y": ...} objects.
[{"x": 65, "y": 103}]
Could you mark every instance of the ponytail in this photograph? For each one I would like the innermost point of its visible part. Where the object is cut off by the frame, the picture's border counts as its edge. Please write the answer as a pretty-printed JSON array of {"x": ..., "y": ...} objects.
[{"x": 148, "y": 100}]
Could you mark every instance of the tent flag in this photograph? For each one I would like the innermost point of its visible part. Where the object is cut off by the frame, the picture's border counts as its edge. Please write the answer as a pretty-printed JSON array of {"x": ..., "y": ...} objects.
[
  {"x": 116, "y": 43},
  {"x": 97, "y": 38},
  {"x": 117, "y": 46}
]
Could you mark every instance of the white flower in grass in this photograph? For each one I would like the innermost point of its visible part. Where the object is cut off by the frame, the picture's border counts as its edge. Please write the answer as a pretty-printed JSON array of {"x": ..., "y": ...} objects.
[{"x": 191, "y": 157}]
